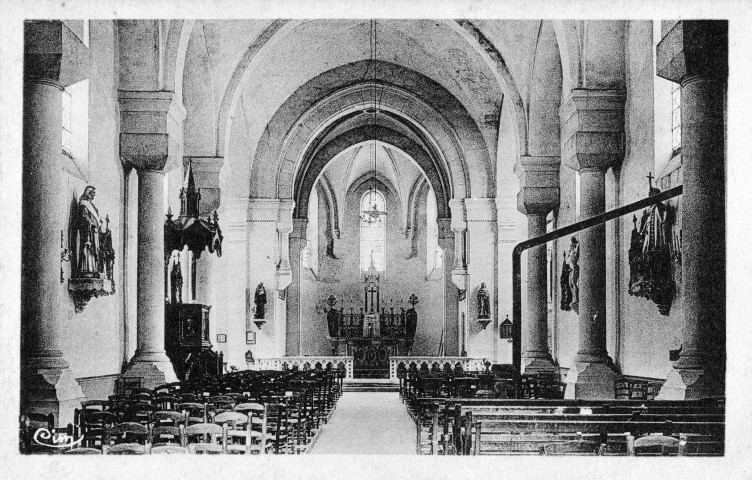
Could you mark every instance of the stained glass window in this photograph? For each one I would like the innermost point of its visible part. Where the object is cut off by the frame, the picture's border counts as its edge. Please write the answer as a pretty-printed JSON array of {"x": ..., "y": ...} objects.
[
  {"x": 676, "y": 118},
  {"x": 372, "y": 231}
]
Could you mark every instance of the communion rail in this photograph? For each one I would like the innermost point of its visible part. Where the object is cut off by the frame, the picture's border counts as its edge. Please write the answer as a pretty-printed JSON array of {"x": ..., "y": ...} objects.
[{"x": 558, "y": 233}]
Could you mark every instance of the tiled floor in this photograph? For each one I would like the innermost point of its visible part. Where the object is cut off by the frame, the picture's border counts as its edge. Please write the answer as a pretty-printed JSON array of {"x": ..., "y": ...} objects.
[{"x": 374, "y": 423}]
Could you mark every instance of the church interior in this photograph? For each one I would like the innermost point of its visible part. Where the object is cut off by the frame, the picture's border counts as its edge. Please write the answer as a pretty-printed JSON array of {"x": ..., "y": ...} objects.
[{"x": 443, "y": 230}]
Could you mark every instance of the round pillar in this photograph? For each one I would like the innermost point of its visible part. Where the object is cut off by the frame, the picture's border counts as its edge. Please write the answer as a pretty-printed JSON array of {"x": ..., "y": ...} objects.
[
  {"x": 150, "y": 362},
  {"x": 536, "y": 356},
  {"x": 592, "y": 275},
  {"x": 48, "y": 384}
]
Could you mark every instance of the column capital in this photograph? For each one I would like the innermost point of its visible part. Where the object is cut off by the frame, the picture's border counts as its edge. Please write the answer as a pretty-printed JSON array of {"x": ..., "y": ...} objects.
[
  {"x": 151, "y": 129},
  {"x": 445, "y": 228},
  {"x": 539, "y": 184},
  {"x": 299, "y": 228},
  {"x": 693, "y": 48},
  {"x": 459, "y": 219},
  {"x": 480, "y": 210},
  {"x": 53, "y": 53},
  {"x": 592, "y": 128}
]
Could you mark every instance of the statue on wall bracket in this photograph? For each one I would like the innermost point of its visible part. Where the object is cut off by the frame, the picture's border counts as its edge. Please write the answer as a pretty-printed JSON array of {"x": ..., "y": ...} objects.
[
  {"x": 93, "y": 259},
  {"x": 651, "y": 254},
  {"x": 484, "y": 306}
]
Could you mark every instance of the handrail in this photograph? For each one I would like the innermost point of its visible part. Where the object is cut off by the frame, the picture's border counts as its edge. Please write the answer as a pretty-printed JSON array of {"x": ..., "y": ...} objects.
[{"x": 558, "y": 233}]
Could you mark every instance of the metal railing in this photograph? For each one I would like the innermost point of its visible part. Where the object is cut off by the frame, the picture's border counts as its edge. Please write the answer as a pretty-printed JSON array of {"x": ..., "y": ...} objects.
[{"x": 558, "y": 233}]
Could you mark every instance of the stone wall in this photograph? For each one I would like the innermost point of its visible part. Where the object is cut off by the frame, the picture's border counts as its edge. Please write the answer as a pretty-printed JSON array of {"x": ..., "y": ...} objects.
[{"x": 92, "y": 341}]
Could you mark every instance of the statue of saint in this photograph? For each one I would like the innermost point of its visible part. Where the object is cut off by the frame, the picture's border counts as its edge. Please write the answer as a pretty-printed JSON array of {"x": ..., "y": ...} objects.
[
  {"x": 573, "y": 257},
  {"x": 176, "y": 280},
  {"x": 260, "y": 300},
  {"x": 484, "y": 302},
  {"x": 87, "y": 235},
  {"x": 107, "y": 252}
]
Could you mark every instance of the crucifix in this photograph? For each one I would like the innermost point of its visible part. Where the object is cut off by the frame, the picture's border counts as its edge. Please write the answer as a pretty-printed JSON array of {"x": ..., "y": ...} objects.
[
  {"x": 650, "y": 180},
  {"x": 372, "y": 289}
]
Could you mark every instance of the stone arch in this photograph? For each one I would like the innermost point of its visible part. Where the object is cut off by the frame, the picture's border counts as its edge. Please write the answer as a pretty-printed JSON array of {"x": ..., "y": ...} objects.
[
  {"x": 465, "y": 158},
  {"x": 412, "y": 200},
  {"x": 493, "y": 58},
  {"x": 362, "y": 184},
  {"x": 176, "y": 49},
  {"x": 545, "y": 92},
  {"x": 330, "y": 197},
  {"x": 568, "y": 40},
  {"x": 272, "y": 34},
  {"x": 398, "y": 140}
]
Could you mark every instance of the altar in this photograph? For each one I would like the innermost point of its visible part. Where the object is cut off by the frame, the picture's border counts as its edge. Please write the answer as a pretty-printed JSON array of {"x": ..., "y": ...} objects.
[{"x": 372, "y": 334}]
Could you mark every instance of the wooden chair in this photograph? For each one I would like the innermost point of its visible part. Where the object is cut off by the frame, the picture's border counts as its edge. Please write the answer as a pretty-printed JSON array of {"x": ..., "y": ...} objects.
[
  {"x": 276, "y": 426},
  {"x": 166, "y": 435},
  {"x": 165, "y": 402},
  {"x": 655, "y": 445},
  {"x": 575, "y": 447},
  {"x": 209, "y": 434},
  {"x": 194, "y": 412},
  {"x": 256, "y": 425},
  {"x": 168, "y": 450},
  {"x": 83, "y": 451},
  {"x": 94, "y": 425},
  {"x": 128, "y": 438},
  {"x": 236, "y": 437},
  {"x": 168, "y": 418}
]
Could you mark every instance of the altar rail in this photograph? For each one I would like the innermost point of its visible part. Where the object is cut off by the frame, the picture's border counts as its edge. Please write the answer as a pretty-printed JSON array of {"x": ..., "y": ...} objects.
[
  {"x": 308, "y": 363},
  {"x": 468, "y": 364}
]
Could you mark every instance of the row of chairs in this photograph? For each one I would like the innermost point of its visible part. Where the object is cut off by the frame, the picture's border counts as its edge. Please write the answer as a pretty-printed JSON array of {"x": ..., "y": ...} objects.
[{"x": 286, "y": 409}]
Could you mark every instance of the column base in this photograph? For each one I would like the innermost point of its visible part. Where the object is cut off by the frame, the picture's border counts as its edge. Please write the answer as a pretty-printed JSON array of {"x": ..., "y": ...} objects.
[
  {"x": 153, "y": 368},
  {"x": 686, "y": 384},
  {"x": 591, "y": 381},
  {"x": 53, "y": 391},
  {"x": 542, "y": 363}
]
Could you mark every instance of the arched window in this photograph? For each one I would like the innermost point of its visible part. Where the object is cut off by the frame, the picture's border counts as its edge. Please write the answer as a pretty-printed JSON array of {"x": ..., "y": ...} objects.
[{"x": 372, "y": 231}]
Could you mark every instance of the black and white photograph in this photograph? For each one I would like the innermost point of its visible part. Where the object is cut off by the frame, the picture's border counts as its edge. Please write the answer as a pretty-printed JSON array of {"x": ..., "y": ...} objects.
[{"x": 337, "y": 238}]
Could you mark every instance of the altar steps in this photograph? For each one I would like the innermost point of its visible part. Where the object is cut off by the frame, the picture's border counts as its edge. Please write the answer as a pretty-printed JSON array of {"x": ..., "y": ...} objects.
[{"x": 370, "y": 385}]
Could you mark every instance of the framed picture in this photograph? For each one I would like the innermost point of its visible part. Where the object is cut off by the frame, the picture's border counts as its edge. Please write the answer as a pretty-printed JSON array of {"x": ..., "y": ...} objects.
[
  {"x": 250, "y": 338},
  {"x": 221, "y": 338}
]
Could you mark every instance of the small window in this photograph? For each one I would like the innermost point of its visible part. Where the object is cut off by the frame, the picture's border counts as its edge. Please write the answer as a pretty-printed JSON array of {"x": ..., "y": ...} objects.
[
  {"x": 67, "y": 141},
  {"x": 676, "y": 119},
  {"x": 373, "y": 231}
]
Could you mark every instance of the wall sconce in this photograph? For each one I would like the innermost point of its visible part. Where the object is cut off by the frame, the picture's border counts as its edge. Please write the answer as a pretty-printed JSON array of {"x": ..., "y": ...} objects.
[{"x": 505, "y": 329}]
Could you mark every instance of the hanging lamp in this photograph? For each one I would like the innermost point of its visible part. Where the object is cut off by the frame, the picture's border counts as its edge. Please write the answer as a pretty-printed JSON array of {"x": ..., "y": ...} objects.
[{"x": 373, "y": 215}]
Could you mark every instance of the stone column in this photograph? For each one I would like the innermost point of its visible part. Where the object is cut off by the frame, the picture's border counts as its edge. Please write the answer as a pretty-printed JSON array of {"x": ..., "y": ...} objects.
[
  {"x": 695, "y": 54},
  {"x": 539, "y": 194},
  {"x": 284, "y": 277},
  {"x": 297, "y": 242},
  {"x": 150, "y": 361},
  {"x": 47, "y": 382},
  {"x": 150, "y": 142},
  {"x": 459, "y": 268},
  {"x": 482, "y": 235},
  {"x": 451, "y": 311},
  {"x": 592, "y": 140}
]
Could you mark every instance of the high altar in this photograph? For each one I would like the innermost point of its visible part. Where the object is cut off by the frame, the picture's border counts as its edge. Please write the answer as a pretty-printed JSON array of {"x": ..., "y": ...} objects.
[{"x": 372, "y": 334}]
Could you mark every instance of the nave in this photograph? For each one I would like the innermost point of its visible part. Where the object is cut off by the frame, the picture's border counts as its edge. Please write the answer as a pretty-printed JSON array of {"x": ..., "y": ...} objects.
[
  {"x": 368, "y": 423},
  {"x": 244, "y": 207}
]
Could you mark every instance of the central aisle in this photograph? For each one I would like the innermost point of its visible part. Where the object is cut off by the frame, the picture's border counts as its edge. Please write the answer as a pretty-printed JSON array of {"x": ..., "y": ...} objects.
[{"x": 369, "y": 423}]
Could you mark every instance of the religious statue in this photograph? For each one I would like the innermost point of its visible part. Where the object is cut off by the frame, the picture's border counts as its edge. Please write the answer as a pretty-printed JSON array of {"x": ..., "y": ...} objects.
[
  {"x": 87, "y": 235},
  {"x": 566, "y": 291},
  {"x": 176, "y": 280},
  {"x": 332, "y": 317},
  {"x": 260, "y": 300},
  {"x": 484, "y": 302},
  {"x": 573, "y": 258},
  {"x": 107, "y": 251},
  {"x": 651, "y": 255},
  {"x": 411, "y": 317}
]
